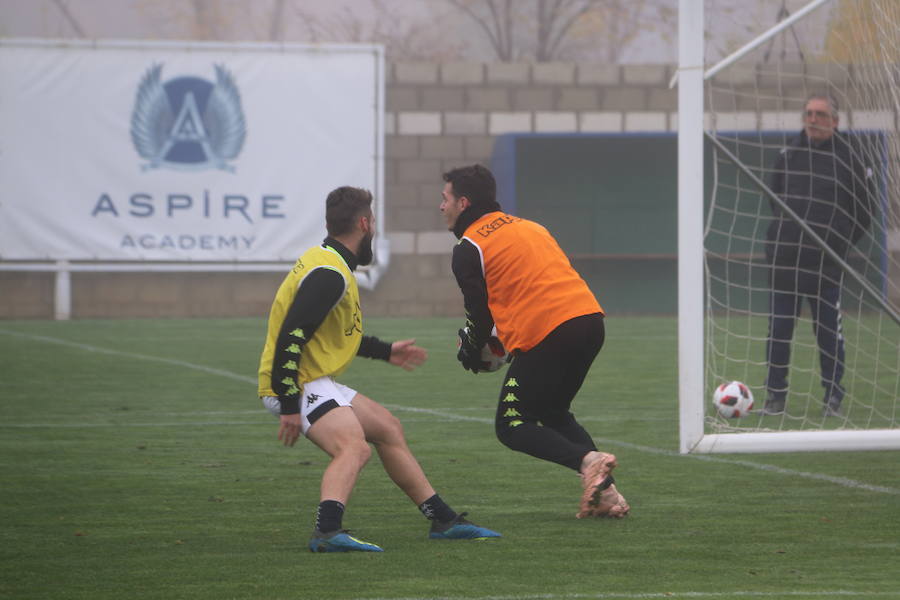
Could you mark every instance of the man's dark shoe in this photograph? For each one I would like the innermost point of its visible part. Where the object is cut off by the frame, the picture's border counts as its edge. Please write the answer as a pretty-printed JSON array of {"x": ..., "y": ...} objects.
[
  {"x": 774, "y": 405},
  {"x": 833, "y": 401}
]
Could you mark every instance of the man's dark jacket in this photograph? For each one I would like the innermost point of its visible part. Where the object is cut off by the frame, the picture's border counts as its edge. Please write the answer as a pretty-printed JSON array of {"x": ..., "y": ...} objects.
[{"x": 826, "y": 184}]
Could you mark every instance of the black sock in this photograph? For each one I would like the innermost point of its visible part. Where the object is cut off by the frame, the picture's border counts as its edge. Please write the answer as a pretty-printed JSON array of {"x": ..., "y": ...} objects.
[
  {"x": 329, "y": 516},
  {"x": 436, "y": 509}
]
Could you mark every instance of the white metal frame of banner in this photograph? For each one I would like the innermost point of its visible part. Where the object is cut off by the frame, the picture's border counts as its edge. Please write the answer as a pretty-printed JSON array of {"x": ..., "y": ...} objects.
[{"x": 367, "y": 277}]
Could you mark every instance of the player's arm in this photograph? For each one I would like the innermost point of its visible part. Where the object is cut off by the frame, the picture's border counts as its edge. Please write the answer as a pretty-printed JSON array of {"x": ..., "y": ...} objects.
[
  {"x": 466, "y": 264},
  {"x": 402, "y": 353},
  {"x": 372, "y": 347},
  {"x": 318, "y": 293}
]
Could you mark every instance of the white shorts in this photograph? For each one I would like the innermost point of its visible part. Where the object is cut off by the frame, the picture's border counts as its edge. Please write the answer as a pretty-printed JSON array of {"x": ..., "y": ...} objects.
[{"x": 319, "y": 397}]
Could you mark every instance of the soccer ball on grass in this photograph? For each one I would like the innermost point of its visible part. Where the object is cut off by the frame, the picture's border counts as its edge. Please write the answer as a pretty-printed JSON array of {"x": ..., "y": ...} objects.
[{"x": 733, "y": 400}]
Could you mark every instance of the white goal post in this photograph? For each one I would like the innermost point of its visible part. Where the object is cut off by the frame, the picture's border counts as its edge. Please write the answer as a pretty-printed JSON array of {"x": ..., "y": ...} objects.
[{"x": 724, "y": 337}]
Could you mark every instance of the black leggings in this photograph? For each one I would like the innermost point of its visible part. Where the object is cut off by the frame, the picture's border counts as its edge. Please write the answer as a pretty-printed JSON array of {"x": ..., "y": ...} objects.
[{"x": 533, "y": 412}]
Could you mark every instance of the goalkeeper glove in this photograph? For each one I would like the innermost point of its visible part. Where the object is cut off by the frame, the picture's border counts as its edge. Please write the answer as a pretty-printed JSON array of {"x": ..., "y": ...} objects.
[{"x": 468, "y": 354}]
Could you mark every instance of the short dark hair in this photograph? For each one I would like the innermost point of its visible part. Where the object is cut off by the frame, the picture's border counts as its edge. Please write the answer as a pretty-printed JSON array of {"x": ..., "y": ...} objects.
[
  {"x": 343, "y": 206},
  {"x": 475, "y": 183}
]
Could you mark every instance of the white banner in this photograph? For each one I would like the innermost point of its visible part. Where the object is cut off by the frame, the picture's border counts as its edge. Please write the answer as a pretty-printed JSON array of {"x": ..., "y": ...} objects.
[{"x": 195, "y": 152}]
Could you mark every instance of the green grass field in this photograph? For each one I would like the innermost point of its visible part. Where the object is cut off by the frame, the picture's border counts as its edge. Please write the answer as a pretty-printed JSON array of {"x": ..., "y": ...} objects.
[
  {"x": 872, "y": 363},
  {"x": 136, "y": 462}
]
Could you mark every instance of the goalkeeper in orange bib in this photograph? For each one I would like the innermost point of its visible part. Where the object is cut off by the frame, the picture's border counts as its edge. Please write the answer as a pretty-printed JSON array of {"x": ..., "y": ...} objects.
[{"x": 513, "y": 275}]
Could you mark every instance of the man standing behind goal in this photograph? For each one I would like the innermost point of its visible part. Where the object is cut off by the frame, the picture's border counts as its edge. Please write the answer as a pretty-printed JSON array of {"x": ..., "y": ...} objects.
[
  {"x": 821, "y": 178},
  {"x": 514, "y": 275},
  {"x": 314, "y": 332}
]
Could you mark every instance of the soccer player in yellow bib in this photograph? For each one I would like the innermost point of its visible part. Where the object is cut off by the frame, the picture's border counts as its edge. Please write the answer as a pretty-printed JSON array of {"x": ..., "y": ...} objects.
[
  {"x": 513, "y": 275},
  {"x": 314, "y": 332}
]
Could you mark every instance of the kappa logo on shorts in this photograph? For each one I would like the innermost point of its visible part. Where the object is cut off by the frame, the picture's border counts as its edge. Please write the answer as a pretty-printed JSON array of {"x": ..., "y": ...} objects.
[{"x": 313, "y": 398}]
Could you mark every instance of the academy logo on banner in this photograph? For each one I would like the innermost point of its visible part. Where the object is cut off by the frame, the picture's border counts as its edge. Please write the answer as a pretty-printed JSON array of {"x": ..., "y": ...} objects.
[
  {"x": 188, "y": 123},
  {"x": 201, "y": 152}
]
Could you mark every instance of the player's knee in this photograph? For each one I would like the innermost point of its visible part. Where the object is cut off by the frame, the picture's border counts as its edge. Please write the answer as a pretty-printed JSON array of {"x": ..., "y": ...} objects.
[
  {"x": 357, "y": 450},
  {"x": 363, "y": 452},
  {"x": 559, "y": 420},
  {"x": 507, "y": 434},
  {"x": 388, "y": 432},
  {"x": 395, "y": 430},
  {"x": 395, "y": 424},
  {"x": 503, "y": 438}
]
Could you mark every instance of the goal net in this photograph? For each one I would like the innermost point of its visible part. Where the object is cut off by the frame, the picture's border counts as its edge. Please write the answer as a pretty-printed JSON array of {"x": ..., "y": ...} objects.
[{"x": 801, "y": 172}]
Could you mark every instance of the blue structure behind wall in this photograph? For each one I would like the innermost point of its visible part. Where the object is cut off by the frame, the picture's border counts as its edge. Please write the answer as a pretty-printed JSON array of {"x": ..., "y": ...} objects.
[{"x": 611, "y": 200}]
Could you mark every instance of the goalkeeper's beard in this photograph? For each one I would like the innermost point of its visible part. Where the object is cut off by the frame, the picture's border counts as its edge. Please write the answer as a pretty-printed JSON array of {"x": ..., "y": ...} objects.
[{"x": 364, "y": 255}]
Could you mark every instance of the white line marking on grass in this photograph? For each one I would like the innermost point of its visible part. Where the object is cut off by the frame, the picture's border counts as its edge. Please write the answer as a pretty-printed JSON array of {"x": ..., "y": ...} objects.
[
  {"x": 842, "y": 481},
  {"x": 671, "y": 595},
  {"x": 120, "y": 425},
  {"x": 207, "y": 413},
  {"x": 438, "y": 413},
  {"x": 160, "y": 359},
  {"x": 186, "y": 338}
]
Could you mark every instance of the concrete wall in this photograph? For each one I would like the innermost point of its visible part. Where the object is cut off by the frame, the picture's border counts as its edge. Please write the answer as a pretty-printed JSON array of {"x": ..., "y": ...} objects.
[{"x": 438, "y": 116}]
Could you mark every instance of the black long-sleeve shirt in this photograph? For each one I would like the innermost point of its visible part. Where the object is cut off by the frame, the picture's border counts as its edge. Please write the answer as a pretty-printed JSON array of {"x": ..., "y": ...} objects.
[
  {"x": 466, "y": 265},
  {"x": 827, "y": 185},
  {"x": 318, "y": 293}
]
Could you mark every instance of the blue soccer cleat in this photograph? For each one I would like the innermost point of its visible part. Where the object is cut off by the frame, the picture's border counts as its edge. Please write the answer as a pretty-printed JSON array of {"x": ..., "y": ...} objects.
[
  {"x": 460, "y": 529},
  {"x": 339, "y": 541}
]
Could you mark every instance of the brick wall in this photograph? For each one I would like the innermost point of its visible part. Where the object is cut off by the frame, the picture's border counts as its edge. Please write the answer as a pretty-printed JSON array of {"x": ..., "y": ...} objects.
[{"x": 441, "y": 116}]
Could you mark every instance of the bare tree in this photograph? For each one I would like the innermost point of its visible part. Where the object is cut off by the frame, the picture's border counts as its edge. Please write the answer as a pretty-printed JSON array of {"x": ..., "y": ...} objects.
[
  {"x": 555, "y": 18},
  {"x": 545, "y": 30},
  {"x": 508, "y": 30},
  {"x": 276, "y": 28},
  {"x": 70, "y": 19},
  {"x": 211, "y": 19},
  {"x": 383, "y": 22},
  {"x": 219, "y": 20},
  {"x": 610, "y": 29},
  {"x": 497, "y": 24}
]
